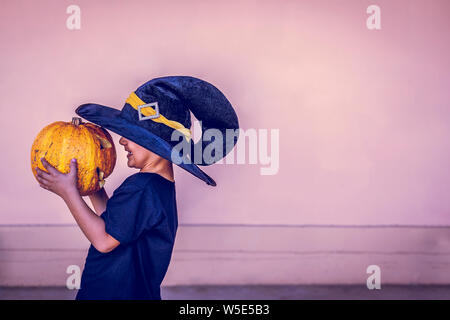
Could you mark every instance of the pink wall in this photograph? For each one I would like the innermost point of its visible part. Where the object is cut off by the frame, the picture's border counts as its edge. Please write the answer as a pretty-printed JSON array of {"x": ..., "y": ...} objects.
[{"x": 363, "y": 115}]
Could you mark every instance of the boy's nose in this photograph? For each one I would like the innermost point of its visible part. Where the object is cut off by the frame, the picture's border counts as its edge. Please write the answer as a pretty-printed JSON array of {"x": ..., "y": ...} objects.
[{"x": 122, "y": 141}]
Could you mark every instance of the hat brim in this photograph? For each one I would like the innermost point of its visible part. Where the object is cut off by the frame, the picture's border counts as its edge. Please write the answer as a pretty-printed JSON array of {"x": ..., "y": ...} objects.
[{"x": 110, "y": 119}]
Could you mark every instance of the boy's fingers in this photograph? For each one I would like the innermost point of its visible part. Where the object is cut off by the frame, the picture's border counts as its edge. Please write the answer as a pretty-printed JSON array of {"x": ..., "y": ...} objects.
[
  {"x": 49, "y": 167},
  {"x": 42, "y": 180},
  {"x": 43, "y": 186},
  {"x": 42, "y": 183},
  {"x": 42, "y": 174},
  {"x": 73, "y": 165}
]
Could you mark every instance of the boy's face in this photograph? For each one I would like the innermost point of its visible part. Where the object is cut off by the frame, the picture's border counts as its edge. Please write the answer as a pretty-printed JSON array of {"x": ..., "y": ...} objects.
[{"x": 138, "y": 157}]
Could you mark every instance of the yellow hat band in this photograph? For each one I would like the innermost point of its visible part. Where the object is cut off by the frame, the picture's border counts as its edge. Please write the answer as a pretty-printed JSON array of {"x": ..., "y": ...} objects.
[{"x": 136, "y": 102}]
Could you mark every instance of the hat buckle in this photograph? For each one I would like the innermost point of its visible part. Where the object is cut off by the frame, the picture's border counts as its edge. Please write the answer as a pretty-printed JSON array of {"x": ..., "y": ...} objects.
[{"x": 153, "y": 104}]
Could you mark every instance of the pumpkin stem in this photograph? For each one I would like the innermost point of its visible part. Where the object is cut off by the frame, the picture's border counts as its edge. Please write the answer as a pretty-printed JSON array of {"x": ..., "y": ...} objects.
[{"x": 76, "y": 121}]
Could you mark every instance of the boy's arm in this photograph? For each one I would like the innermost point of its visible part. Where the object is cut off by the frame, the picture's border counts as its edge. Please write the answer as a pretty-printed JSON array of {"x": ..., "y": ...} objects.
[
  {"x": 91, "y": 224},
  {"x": 99, "y": 200},
  {"x": 65, "y": 185}
]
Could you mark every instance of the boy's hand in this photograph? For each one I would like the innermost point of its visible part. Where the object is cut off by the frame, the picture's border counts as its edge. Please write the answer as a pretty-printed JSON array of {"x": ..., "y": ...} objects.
[{"x": 57, "y": 182}]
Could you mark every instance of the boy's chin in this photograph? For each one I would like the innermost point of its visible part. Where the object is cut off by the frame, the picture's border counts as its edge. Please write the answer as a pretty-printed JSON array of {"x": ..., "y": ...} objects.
[{"x": 130, "y": 163}]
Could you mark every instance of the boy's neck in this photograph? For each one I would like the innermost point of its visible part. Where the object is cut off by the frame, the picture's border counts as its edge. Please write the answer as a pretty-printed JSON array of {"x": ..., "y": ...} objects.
[{"x": 164, "y": 169}]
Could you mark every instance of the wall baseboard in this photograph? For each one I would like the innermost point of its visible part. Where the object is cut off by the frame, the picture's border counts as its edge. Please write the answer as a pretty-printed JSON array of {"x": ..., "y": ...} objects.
[{"x": 34, "y": 255}]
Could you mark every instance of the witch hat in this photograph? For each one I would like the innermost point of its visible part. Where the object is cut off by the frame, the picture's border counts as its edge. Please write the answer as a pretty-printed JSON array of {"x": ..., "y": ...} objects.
[{"x": 157, "y": 117}]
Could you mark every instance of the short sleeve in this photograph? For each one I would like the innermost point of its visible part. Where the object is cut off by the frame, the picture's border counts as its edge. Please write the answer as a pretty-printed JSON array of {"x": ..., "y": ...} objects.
[{"x": 130, "y": 212}]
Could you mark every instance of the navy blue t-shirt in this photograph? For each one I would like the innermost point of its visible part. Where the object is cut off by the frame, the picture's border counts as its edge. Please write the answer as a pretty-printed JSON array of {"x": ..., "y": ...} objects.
[{"x": 142, "y": 216}]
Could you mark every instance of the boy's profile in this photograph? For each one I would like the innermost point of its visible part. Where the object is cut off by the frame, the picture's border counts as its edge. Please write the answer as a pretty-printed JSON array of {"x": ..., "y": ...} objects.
[{"x": 132, "y": 233}]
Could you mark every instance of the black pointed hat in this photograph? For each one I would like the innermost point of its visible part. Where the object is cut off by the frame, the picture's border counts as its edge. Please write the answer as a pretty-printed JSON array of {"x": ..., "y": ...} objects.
[{"x": 157, "y": 117}]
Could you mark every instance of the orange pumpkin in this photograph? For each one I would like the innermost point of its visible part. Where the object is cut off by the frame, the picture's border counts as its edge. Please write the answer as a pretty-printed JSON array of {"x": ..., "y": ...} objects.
[{"x": 90, "y": 144}]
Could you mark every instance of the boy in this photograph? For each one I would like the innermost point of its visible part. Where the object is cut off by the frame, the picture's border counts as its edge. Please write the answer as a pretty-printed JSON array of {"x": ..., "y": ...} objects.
[
  {"x": 105, "y": 275},
  {"x": 132, "y": 236}
]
